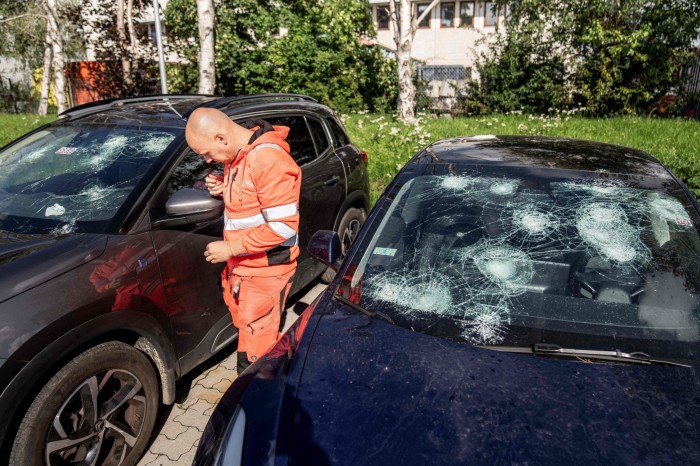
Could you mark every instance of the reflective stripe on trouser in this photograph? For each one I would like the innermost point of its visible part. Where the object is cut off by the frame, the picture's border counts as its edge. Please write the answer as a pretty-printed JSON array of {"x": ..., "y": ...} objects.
[{"x": 256, "y": 310}]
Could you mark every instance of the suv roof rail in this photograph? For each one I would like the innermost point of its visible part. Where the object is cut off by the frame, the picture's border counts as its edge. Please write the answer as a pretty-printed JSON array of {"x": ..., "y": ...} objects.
[
  {"x": 107, "y": 103},
  {"x": 223, "y": 101},
  {"x": 272, "y": 96}
]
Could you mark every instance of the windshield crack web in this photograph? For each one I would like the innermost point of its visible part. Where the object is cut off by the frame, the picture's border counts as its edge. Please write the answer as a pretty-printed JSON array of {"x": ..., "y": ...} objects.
[
  {"x": 470, "y": 247},
  {"x": 67, "y": 175}
]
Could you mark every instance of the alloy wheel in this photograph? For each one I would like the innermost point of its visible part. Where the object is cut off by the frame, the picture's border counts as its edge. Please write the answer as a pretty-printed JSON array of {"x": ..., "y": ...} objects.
[{"x": 99, "y": 422}]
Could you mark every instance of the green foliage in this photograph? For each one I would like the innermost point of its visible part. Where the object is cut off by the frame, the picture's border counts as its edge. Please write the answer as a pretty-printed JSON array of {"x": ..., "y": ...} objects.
[
  {"x": 304, "y": 46},
  {"x": 390, "y": 144},
  {"x": 23, "y": 38},
  {"x": 424, "y": 101},
  {"x": 23, "y": 31},
  {"x": 109, "y": 78},
  {"x": 14, "y": 97},
  {"x": 612, "y": 57},
  {"x": 523, "y": 78}
]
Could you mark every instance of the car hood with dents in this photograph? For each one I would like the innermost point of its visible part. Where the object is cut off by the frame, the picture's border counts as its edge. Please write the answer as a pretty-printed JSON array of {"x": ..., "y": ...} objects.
[
  {"x": 29, "y": 260},
  {"x": 375, "y": 393}
]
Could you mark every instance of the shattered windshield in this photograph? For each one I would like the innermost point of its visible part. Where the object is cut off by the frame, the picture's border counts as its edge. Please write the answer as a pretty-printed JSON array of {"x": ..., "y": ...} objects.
[
  {"x": 517, "y": 258},
  {"x": 67, "y": 179}
]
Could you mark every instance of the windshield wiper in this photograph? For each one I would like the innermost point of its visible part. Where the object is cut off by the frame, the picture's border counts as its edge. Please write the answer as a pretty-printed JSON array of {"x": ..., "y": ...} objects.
[
  {"x": 375, "y": 314},
  {"x": 548, "y": 349}
]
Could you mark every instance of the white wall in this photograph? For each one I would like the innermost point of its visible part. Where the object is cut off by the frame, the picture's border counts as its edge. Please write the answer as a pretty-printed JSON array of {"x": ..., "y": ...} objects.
[
  {"x": 12, "y": 70},
  {"x": 442, "y": 45}
]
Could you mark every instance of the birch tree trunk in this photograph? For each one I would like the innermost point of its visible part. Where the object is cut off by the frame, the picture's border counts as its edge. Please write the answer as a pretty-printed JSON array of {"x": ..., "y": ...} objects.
[
  {"x": 59, "y": 61},
  {"x": 123, "y": 48},
  {"x": 46, "y": 76},
  {"x": 207, "y": 63},
  {"x": 403, "y": 37},
  {"x": 132, "y": 39},
  {"x": 405, "y": 24}
]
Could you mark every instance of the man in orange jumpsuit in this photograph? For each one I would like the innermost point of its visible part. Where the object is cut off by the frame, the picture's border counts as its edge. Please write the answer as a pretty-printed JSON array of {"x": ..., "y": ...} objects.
[{"x": 260, "y": 188}]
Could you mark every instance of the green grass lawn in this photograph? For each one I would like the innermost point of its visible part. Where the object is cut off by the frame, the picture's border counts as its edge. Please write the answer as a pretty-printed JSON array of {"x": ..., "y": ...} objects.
[
  {"x": 390, "y": 144},
  {"x": 13, "y": 126}
]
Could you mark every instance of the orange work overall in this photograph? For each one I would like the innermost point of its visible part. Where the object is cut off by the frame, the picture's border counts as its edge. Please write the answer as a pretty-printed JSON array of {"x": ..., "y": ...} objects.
[
  {"x": 261, "y": 198},
  {"x": 256, "y": 305}
]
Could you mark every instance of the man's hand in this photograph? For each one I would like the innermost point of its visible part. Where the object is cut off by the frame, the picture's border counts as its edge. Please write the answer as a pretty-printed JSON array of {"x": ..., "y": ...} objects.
[
  {"x": 221, "y": 251},
  {"x": 215, "y": 184}
]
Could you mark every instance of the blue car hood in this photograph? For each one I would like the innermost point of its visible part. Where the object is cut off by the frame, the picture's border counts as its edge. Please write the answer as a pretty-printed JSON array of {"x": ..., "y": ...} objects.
[{"x": 374, "y": 393}]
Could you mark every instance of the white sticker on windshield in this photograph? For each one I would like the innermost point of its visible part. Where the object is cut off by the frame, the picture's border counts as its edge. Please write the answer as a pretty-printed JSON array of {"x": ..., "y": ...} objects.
[
  {"x": 56, "y": 209},
  {"x": 66, "y": 150},
  {"x": 385, "y": 252}
]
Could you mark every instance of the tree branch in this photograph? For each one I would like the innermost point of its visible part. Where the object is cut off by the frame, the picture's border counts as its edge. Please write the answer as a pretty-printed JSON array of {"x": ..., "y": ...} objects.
[
  {"x": 7, "y": 20},
  {"x": 427, "y": 11}
]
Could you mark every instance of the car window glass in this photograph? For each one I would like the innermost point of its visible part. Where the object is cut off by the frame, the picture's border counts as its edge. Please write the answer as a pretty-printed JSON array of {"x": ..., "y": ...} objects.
[
  {"x": 340, "y": 137},
  {"x": 65, "y": 177},
  {"x": 301, "y": 145},
  {"x": 506, "y": 260},
  {"x": 190, "y": 173},
  {"x": 319, "y": 135}
]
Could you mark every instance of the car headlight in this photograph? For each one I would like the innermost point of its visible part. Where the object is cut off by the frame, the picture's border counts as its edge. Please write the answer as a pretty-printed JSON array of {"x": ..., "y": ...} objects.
[{"x": 231, "y": 448}]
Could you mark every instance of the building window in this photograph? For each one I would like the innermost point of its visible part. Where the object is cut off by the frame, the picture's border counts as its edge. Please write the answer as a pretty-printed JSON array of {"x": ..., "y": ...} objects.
[
  {"x": 382, "y": 17},
  {"x": 426, "y": 21},
  {"x": 490, "y": 14},
  {"x": 447, "y": 15},
  {"x": 466, "y": 14},
  {"x": 444, "y": 73}
]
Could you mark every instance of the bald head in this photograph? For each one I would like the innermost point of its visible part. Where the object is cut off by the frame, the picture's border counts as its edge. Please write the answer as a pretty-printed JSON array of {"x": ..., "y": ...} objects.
[{"x": 212, "y": 134}]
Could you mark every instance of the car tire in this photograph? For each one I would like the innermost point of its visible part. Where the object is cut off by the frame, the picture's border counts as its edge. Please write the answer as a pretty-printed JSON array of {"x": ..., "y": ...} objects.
[
  {"x": 348, "y": 229},
  {"x": 101, "y": 404}
]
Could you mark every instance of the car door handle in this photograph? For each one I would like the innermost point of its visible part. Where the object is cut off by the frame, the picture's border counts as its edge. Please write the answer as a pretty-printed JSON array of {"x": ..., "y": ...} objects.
[{"x": 331, "y": 181}]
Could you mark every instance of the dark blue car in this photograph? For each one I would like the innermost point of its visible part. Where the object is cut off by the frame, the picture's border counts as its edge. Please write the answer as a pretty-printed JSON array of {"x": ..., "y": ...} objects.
[{"x": 511, "y": 300}]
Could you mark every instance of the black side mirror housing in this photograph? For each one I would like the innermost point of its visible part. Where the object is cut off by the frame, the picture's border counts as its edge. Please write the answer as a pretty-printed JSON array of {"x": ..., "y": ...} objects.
[{"x": 324, "y": 246}]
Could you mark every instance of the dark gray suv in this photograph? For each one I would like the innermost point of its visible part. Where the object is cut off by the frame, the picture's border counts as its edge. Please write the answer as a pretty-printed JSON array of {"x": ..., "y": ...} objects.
[{"x": 105, "y": 298}]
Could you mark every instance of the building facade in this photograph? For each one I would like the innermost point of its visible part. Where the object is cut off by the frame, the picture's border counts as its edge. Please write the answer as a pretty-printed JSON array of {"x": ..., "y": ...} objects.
[{"x": 446, "y": 42}]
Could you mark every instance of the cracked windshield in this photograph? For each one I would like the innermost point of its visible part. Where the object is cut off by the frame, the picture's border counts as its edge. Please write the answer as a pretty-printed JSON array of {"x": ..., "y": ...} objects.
[
  {"x": 593, "y": 263},
  {"x": 73, "y": 179}
]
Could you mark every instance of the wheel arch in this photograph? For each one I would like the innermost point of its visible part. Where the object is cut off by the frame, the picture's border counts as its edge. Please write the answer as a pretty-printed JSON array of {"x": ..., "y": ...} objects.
[
  {"x": 356, "y": 199},
  {"x": 140, "y": 330}
]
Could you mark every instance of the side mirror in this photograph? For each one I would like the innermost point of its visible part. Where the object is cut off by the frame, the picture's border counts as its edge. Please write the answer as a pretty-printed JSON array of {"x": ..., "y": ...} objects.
[
  {"x": 188, "y": 206},
  {"x": 324, "y": 246}
]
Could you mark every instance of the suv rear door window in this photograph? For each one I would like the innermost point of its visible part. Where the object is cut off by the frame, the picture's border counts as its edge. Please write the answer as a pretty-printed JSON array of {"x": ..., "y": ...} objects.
[
  {"x": 340, "y": 137},
  {"x": 319, "y": 135},
  {"x": 301, "y": 144}
]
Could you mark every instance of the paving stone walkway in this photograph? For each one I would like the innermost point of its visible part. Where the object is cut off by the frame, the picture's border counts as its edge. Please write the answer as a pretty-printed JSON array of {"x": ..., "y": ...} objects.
[{"x": 180, "y": 426}]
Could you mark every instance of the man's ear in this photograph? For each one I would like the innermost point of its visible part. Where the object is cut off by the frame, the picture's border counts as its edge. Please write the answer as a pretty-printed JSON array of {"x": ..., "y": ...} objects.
[{"x": 221, "y": 139}]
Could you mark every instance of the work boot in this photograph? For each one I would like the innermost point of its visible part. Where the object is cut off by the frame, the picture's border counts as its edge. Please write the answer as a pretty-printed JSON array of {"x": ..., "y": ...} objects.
[{"x": 242, "y": 362}]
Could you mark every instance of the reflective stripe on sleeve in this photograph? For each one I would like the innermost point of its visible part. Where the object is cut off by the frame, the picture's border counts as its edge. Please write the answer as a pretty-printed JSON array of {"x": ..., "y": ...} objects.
[
  {"x": 282, "y": 229},
  {"x": 243, "y": 223},
  {"x": 280, "y": 211},
  {"x": 270, "y": 145}
]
